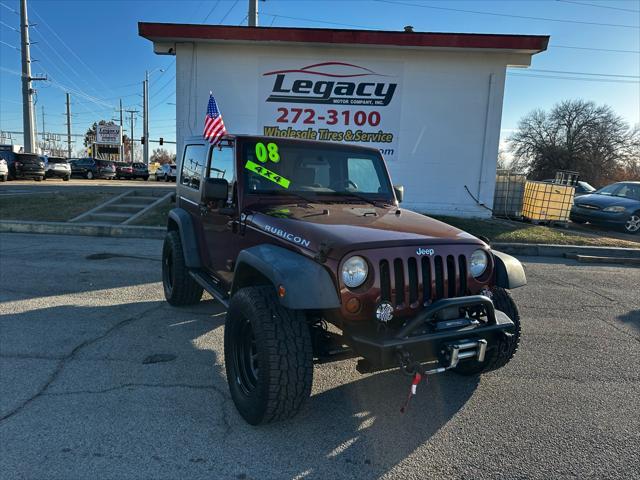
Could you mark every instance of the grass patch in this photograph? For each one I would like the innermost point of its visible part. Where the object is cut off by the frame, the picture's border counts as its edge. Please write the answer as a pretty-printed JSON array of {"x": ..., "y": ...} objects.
[
  {"x": 156, "y": 217},
  {"x": 499, "y": 230},
  {"x": 49, "y": 207}
]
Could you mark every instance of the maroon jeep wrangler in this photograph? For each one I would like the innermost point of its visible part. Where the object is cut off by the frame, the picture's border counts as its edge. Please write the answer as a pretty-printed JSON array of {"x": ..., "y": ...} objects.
[{"x": 293, "y": 235}]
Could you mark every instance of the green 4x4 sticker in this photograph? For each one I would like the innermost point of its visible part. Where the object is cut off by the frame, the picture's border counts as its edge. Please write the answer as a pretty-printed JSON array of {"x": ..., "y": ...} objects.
[{"x": 268, "y": 174}]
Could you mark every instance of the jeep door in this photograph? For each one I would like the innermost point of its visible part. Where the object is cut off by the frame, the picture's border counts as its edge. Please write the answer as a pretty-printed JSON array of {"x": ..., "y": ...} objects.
[
  {"x": 194, "y": 160},
  {"x": 220, "y": 219}
]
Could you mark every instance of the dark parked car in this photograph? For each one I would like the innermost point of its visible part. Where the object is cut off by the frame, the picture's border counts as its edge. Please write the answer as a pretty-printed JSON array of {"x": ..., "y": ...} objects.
[
  {"x": 90, "y": 168},
  {"x": 57, "y": 167},
  {"x": 616, "y": 205},
  {"x": 582, "y": 188},
  {"x": 131, "y": 171},
  {"x": 23, "y": 165}
]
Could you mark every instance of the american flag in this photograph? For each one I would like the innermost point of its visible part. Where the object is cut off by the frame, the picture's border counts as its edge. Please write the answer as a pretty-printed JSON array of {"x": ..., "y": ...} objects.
[{"x": 213, "y": 124}]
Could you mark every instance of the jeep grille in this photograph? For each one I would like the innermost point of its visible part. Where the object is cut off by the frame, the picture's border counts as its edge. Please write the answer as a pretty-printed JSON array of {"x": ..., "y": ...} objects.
[{"x": 427, "y": 278}]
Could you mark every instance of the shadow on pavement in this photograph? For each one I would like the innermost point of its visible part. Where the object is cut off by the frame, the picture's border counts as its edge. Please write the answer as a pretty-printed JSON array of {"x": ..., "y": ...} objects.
[
  {"x": 632, "y": 319},
  {"x": 142, "y": 393}
]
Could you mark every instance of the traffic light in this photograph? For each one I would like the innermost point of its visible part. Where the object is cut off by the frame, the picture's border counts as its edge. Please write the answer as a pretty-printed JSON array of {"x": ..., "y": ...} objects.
[
  {"x": 142, "y": 140},
  {"x": 161, "y": 140}
]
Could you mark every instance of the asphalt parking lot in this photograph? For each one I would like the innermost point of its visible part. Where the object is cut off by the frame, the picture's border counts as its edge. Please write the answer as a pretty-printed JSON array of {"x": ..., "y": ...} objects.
[{"x": 102, "y": 379}]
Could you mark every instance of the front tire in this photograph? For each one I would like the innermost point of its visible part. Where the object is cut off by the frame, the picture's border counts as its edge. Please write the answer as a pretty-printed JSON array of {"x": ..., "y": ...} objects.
[
  {"x": 179, "y": 288},
  {"x": 502, "y": 352},
  {"x": 633, "y": 224},
  {"x": 89, "y": 175},
  {"x": 268, "y": 356},
  {"x": 67, "y": 178}
]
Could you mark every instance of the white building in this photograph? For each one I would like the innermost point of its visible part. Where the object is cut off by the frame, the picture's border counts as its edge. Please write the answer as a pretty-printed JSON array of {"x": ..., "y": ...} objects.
[{"x": 431, "y": 102}]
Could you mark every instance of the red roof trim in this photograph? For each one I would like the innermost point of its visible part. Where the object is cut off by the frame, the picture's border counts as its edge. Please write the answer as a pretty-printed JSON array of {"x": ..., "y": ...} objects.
[{"x": 173, "y": 31}]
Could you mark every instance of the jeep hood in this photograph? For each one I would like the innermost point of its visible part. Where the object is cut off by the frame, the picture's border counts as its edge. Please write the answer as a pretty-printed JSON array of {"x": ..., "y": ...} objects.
[{"x": 343, "y": 228}]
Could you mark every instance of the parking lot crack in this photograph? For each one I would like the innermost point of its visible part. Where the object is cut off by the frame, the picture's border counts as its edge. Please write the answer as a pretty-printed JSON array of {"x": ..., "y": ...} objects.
[{"x": 71, "y": 355}]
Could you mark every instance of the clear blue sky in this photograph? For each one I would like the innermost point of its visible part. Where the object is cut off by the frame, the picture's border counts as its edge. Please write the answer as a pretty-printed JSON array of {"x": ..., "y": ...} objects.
[{"x": 93, "y": 47}]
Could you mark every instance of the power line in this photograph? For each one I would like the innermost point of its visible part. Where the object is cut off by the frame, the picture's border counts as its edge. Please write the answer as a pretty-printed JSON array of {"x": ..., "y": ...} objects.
[
  {"x": 311, "y": 20},
  {"x": 558, "y": 77},
  {"x": 229, "y": 11},
  {"x": 10, "y": 9},
  {"x": 595, "y": 49},
  {"x": 582, "y": 73},
  {"x": 496, "y": 14},
  {"x": 352, "y": 25},
  {"x": 72, "y": 51},
  {"x": 9, "y": 45},
  {"x": 211, "y": 11},
  {"x": 599, "y": 6},
  {"x": 9, "y": 26}
]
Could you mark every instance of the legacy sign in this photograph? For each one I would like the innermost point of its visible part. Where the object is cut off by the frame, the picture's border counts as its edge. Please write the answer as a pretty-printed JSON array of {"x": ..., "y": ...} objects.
[
  {"x": 109, "y": 134},
  {"x": 332, "y": 101}
]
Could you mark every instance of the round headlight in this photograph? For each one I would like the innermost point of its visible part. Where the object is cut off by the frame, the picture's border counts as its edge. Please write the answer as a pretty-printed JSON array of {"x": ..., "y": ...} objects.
[
  {"x": 478, "y": 263},
  {"x": 354, "y": 272}
]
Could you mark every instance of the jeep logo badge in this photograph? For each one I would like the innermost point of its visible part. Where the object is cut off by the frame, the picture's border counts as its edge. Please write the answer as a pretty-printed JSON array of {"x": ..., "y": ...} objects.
[{"x": 425, "y": 251}]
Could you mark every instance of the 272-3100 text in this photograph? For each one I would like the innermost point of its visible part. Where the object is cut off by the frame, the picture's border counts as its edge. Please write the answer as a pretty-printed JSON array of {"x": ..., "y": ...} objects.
[{"x": 308, "y": 116}]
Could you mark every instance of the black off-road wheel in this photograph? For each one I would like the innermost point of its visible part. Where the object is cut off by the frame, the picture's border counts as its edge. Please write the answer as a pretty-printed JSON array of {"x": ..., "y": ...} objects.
[
  {"x": 499, "y": 354},
  {"x": 179, "y": 288},
  {"x": 268, "y": 356}
]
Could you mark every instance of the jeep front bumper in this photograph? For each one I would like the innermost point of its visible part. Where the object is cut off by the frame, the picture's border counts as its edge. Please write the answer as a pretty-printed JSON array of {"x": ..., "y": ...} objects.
[{"x": 383, "y": 349}]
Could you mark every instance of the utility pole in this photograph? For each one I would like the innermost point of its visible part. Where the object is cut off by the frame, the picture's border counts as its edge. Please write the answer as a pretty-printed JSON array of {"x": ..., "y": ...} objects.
[
  {"x": 43, "y": 127},
  {"x": 253, "y": 13},
  {"x": 131, "y": 141},
  {"x": 28, "y": 125},
  {"x": 68, "y": 125},
  {"x": 121, "y": 134},
  {"x": 145, "y": 118}
]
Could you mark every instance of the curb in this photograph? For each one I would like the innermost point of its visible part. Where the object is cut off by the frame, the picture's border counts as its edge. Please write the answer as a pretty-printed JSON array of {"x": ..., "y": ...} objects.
[
  {"x": 614, "y": 260},
  {"x": 64, "y": 228},
  {"x": 129, "y": 231},
  {"x": 540, "y": 250}
]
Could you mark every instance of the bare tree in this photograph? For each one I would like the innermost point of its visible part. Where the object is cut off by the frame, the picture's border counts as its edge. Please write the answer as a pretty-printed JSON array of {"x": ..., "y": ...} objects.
[
  {"x": 161, "y": 155},
  {"x": 575, "y": 135}
]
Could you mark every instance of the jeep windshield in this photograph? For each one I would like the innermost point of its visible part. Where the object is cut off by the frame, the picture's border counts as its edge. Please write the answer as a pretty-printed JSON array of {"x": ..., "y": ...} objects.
[{"x": 314, "y": 171}]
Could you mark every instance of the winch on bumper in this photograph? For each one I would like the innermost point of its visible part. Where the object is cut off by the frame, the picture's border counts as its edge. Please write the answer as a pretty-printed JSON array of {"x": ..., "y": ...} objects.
[{"x": 433, "y": 336}]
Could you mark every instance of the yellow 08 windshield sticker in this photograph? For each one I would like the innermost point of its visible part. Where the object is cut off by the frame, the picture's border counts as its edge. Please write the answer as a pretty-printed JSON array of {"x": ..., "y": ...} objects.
[{"x": 268, "y": 174}]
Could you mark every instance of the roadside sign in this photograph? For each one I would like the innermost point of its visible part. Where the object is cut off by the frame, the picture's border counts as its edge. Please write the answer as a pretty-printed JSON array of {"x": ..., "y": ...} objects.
[{"x": 109, "y": 134}]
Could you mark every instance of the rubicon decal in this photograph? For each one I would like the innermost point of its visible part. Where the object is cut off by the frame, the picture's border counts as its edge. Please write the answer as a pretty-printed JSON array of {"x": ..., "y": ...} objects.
[
  {"x": 315, "y": 88},
  {"x": 287, "y": 236}
]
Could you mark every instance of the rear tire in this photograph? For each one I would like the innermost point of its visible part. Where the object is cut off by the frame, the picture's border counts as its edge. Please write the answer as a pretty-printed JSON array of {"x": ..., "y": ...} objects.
[
  {"x": 268, "y": 356},
  {"x": 4, "y": 178},
  {"x": 89, "y": 175},
  {"x": 499, "y": 354},
  {"x": 179, "y": 288},
  {"x": 66, "y": 179},
  {"x": 38, "y": 179}
]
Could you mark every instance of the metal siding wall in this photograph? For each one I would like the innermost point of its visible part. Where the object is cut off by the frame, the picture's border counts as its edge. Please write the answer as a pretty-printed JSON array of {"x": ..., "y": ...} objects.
[{"x": 442, "y": 131}]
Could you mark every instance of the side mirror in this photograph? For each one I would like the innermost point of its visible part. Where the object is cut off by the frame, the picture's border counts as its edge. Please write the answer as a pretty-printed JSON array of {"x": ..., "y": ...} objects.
[
  {"x": 215, "y": 189},
  {"x": 399, "y": 191}
]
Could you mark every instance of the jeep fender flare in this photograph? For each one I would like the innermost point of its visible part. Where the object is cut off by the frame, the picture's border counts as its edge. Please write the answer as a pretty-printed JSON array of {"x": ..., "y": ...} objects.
[
  {"x": 509, "y": 272},
  {"x": 307, "y": 284},
  {"x": 180, "y": 220}
]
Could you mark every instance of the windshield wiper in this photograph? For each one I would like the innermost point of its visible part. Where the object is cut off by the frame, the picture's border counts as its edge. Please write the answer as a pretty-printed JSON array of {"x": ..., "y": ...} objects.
[
  {"x": 375, "y": 203},
  {"x": 289, "y": 194}
]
